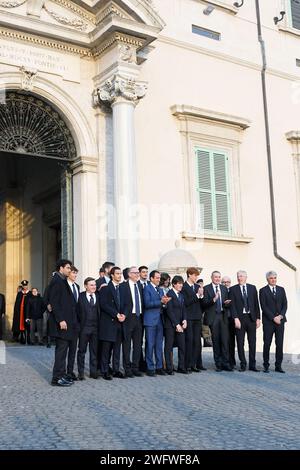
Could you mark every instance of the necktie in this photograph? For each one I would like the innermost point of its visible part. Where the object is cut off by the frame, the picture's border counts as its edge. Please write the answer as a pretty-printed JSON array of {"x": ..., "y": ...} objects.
[
  {"x": 74, "y": 292},
  {"x": 245, "y": 299},
  {"x": 137, "y": 301},
  {"x": 118, "y": 296},
  {"x": 157, "y": 290},
  {"x": 274, "y": 291},
  {"x": 92, "y": 303},
  {"x": 219, "y": 306}
]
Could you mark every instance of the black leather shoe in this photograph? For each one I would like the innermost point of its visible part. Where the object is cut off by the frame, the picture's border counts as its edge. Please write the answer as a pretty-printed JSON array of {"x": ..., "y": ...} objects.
[
  {"x": 119, "y": 375},
  {"x": 129, "y": 374},
  {"x": 137, "y": 373},
  {"x": 278, "y": 369},
  {"x": 72, "y": 376},
  {"x": 254, "y": 369},
  {"x": 202, "y": 368},
  {"x": 195, "y": 369},
  {"x": 160, "y": 372},
  {"x": 93, "y": 376},
  {"x": 170, "y": 372},
  {"x": 242, "y": 369},
  {"x": 218, "y": 369},
  {"x": 227, "y": 368},
  {"x": 266, "y": 370},
  {"x": 151, "y": 373},
  {"x": 81, "y": 377},
  {"x": 107, "y": 377},
  {"x": 182, "y": 371}
]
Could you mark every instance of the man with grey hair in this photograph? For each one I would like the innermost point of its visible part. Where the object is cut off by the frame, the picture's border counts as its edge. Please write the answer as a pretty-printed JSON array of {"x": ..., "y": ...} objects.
[
  {"x": 273, "y": 303},
  {"x": 246, "y": 313}
]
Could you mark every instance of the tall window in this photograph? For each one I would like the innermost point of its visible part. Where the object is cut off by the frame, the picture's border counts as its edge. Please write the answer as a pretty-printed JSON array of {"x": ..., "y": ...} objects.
[
  {"x": 213, "y": 190},
  {"x": 295, "y": 13}
]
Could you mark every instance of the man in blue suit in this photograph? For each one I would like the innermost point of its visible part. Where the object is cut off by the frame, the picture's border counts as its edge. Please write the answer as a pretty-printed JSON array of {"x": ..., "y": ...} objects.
[{"x": 154, "y": 300}]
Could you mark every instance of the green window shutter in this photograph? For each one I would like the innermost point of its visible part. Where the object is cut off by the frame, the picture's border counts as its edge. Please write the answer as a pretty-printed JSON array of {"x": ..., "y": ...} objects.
[
  {"x": 295, "y": 13},
  {"x": 213, "y": 190}
]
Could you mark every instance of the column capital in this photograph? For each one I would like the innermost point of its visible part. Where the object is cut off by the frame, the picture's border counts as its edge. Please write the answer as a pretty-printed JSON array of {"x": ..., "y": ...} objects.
[{"x": 121, "y": 88}]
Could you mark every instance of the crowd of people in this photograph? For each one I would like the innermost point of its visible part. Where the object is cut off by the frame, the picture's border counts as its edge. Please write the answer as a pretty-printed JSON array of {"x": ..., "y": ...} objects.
[{"x": 147, "y": 316}]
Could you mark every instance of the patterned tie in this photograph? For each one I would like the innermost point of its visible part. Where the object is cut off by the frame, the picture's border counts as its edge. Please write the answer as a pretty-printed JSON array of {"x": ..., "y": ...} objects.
[
  {"x": 274, "y": 291},
  {"x": 74, "y": 292},
  {"x": 92, "y": 303},
  {"x": 219, "y": 306},
  {"x": 245, "y": 298},
  {"x": 118, "y": 296},
  {"x": 137, "y": 301}
]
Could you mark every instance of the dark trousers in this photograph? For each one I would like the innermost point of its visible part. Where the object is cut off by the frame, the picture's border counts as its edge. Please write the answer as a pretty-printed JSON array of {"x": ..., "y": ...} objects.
[
  {"x": 87, "y": 337},
  {"x": 113, "y": 348},
  {"x": 270, "y": 329},
  {"x": 72, "y": 353},
  {"x": 62, "y": 347},
  {"x": 1, "y": 326},
  {"x": 193, "y": 346},
  {"x": 116, "y": 350},
  {"x": 219, "y": 331},
  {"x": 134, "y": 335},
  {"x": 36, "y": 326},
  {"x": 247, "y": 326},
  {"x": 231, "y": 333},
  {"x": 143, "y": 364},
  {"x": 170, "y": 335}
]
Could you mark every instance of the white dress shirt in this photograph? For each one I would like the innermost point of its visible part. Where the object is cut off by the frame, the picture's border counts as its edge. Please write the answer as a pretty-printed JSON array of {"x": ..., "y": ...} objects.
[{"x": 88, "y": 296}]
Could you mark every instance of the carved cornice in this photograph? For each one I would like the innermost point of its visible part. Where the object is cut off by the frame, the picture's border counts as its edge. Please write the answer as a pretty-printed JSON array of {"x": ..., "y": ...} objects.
[
  {"x": 45, "y": 43},
  {"x": 115, "y": 38},
  {"x": 120, "y": 88},
  {"x": 11, "y": 3},
  {"x": 76, "y": 23},
  {"x": 111, "y": 10},
  {"x": 76, "y": 9}
]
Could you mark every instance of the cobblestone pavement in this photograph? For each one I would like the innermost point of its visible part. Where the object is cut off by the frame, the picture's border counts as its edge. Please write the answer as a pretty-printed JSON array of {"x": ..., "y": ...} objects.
[{"x": 228, "y": 410}]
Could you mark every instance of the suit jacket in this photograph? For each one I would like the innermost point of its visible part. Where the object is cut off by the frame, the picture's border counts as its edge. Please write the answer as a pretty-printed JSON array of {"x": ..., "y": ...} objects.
[
  {"x": 110, "y": 307},
  {"x": 175, "y": 312},
  {"x": 237, "y": 302},
  {"x": 82, "y": 309},
  {"x": 127, "y": 303},
  {"x": 64, "y": 308},
  {"x": 192, "y": 303},
  {"x": 272, "y": 306},
  {"x": 210, "y": 306},
  {"x": 153, "y": 305},
  {"x": 100, "y": 281},
  {"x": 35, "y": 307},
  {"x": 2, "y": 304}
]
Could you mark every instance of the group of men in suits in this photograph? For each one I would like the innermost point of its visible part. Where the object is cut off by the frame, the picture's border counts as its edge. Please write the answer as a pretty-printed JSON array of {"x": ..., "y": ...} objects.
[{"x": 110, "y": 314}]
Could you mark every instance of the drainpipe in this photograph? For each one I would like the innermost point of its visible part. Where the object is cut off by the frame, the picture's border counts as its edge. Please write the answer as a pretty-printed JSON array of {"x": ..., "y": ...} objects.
[{"x": 268, "y": 142}]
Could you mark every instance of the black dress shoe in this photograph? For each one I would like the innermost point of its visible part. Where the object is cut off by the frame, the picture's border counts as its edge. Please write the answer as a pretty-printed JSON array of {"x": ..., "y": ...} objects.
[
  {"x": 119, "y": 375},
  {"x": 170, "y": 372},
  {"x": 107, "y": 377},
  {"x": 182, "y": 371},
  {"x": 94, "y": 376},
  {"x": 266, "y": 370},
  {"x": 278, "y": 369},
  {"x": 202, "y": 368},
  {"x": 160, "y": 372},
  {"x": 242, "y": 369},
  {"x": 81, "y": 377},
  {"x": 195, "y": 369},
  {"x": 227, "y": 368},
  {"x": 151, "y": 373},
  {"x": 129, "y": 374},
  {"x": 254, "y": 369},
  {"x": 72, "y": 376},
  {"x": 218, "y": 369},
  {"x": 137, "y": 373}
]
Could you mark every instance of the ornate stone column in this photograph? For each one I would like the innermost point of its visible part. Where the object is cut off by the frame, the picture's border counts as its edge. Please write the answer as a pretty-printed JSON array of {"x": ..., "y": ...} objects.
[{"x": 123, "y": 94}]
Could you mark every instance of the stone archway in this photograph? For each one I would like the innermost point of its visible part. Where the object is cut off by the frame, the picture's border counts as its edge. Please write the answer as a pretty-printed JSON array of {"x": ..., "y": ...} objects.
[{"x": 36, "y": 152}]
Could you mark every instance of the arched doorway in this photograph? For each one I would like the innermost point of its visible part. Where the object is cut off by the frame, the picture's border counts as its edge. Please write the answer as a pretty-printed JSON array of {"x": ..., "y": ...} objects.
[{"x": 36, "y": 150}]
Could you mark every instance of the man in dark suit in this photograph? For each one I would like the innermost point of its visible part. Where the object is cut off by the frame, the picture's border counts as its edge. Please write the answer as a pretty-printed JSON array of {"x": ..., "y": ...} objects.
[
  {"x": 216, "y": 304},
  {"x": 273, "y": 303},
  {"x": 106, "y": 267},
  {"x": 131, "y": 296},
  {"x": 2, "y": 313},
  {"x": 111, "y": 331},
  {"x": 63, "y": 321},
  {"x": 75, "y": 288},
  {"x": 175, "y": 326},
  {"x": 193, "y": 295},
  {"x": 88, "y": 316},
  {"x": 244, "y": 309},
  {"x": 143, "y": 281},
  {"x": 226, "y": 282},
  {"x": 154, "y": 299}
]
